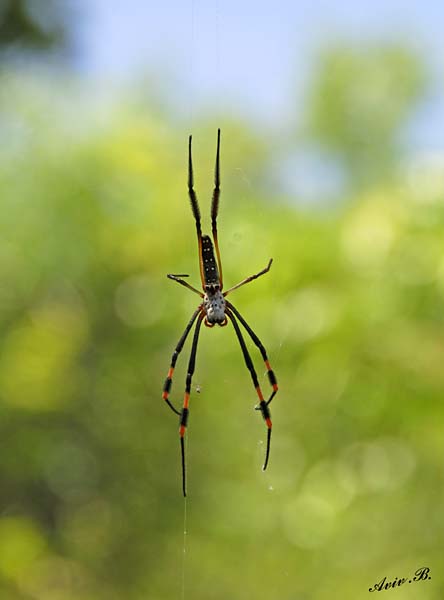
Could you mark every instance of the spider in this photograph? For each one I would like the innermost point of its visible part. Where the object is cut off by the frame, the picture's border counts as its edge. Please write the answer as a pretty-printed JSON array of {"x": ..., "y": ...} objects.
[{"x": 214, "y": 309}]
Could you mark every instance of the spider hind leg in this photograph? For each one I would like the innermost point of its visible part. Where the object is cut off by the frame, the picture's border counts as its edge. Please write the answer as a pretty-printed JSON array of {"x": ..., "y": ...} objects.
[
  {"x": 186, "y": 399},
  {"x": 263, "y": 405},
  {"x": 169, "y": 379}
]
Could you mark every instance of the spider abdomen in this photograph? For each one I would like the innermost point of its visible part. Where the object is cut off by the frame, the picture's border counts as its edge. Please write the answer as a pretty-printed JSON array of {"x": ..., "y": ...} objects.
[
  {"x": 214, "y": 305},
  {"x": 211, "y": 272}
]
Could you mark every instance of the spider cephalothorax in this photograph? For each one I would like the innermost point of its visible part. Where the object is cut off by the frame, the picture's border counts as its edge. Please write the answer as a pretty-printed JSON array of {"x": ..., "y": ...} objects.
[{"x": 214, "y": 309}]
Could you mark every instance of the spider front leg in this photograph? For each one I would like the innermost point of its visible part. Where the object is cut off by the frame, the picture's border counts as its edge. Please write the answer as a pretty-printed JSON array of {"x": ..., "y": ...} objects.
[
  {"x": 185, "y": 410},
  {"x": 195, "y": 208},
  {"x": 169, "y": 380},
  {"x": 215, "y": 207},
  {"x": 263, "y": 405}
]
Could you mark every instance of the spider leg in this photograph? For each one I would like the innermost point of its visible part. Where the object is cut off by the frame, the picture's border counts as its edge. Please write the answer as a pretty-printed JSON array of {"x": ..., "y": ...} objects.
[
  {"x": 169, "y": 380},
  {"x": 195, "y": 209},
  {"x": 262, "y": 404},
  {"x": 271, "y": 376},
  {"x": 215, "y": 206},
  {"x": 185, "y": 410},
  {"x": 182, "y": 282},
  {"x": 251, "y": 278}
]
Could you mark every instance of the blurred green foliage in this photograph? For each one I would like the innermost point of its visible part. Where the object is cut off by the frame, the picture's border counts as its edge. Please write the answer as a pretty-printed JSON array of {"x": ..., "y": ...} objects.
[
  {"x": 94, "y": 213},
  {"x": 33, "y": 24},
  {"x": 358, "y": 103}
]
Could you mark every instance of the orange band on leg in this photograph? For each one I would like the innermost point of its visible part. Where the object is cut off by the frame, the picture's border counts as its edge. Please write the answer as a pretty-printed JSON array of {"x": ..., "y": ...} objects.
[
  {"x": 168, "y": 383},
  {"x": 268, "y": 367}
]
